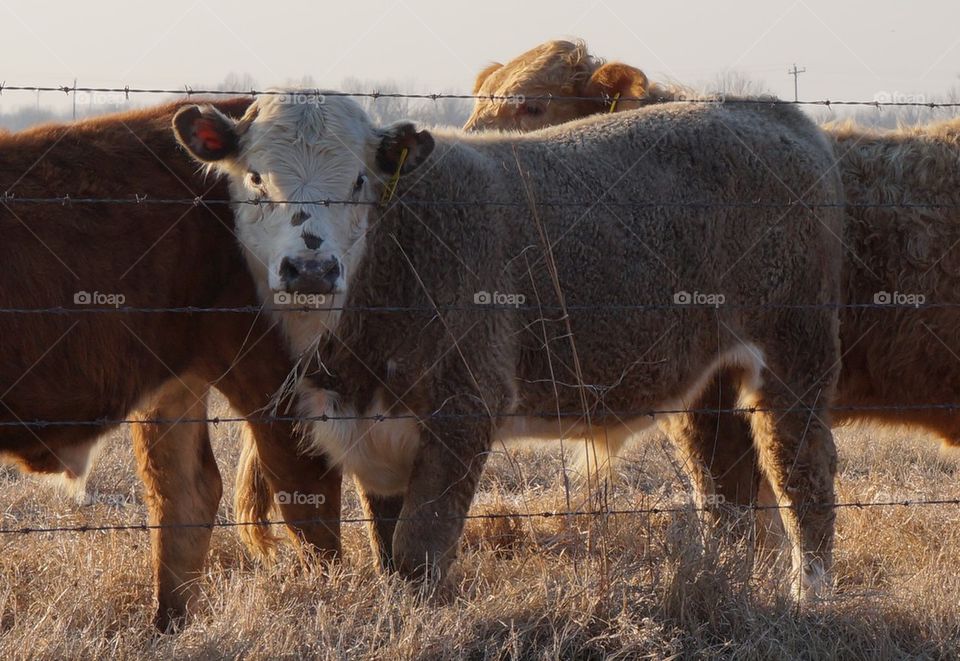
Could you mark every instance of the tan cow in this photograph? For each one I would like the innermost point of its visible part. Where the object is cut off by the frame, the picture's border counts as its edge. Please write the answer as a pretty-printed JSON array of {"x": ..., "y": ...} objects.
[{"x": 519, "y": 92}]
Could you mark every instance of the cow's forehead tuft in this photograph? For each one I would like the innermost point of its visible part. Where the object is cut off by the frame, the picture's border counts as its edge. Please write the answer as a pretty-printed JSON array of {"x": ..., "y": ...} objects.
[
  {"x": 553, "y": 66},
  {"x": 297, "y": 116},
  {"x": 308, "y": 117}
]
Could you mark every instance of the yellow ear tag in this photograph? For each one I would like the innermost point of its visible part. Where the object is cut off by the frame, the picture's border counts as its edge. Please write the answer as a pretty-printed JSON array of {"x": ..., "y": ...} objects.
[
  {"x": 391, "y": 186},
  {"x": 613, "y": 106}
]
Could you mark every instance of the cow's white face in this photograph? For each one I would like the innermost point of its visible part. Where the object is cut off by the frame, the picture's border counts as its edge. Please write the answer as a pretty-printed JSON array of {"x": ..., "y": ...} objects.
[{"x": 291, "y": 152}]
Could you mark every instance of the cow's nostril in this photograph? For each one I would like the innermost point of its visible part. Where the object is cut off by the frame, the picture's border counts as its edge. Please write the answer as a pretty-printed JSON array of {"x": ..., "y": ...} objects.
[
  {"x": 333, "y": 270},
  {"x": 288, "y": 270}
]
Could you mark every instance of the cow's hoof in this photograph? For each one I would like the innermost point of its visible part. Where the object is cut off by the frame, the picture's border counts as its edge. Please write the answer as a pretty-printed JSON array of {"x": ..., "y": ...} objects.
[
  {"x": 170, "y": 620},
  {"x": 811, "y": 584}
]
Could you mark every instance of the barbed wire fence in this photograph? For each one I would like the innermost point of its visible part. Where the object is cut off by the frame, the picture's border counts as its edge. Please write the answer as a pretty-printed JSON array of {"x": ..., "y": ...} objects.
[
  {"x": 550, "y": 514},
  {"x": 189, "y": 92},
  {"x": 186, "y": 92}
]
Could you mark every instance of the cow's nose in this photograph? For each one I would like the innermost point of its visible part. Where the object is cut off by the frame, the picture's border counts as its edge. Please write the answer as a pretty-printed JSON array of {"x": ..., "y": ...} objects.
[{"x": 309, "y": 275}]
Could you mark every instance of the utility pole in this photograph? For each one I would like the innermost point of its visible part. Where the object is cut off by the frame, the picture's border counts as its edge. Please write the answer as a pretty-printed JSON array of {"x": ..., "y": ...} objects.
[{"x": 795, "y": 72}]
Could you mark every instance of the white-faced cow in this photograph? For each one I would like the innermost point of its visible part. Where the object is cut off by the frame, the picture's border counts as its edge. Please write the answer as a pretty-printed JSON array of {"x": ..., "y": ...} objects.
[
  {"x": 557, "y": 218},
  {"x": 110, "y": 364}
]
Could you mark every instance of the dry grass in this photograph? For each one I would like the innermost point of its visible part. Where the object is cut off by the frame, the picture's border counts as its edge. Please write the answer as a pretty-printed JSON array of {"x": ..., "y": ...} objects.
[{"x": 620, "y": 587}]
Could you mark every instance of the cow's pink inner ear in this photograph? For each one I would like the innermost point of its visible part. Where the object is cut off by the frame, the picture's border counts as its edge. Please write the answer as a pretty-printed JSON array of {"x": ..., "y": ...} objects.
[
  {"x": 207, "y": 135},
  {"x": 208, "y": 132}
]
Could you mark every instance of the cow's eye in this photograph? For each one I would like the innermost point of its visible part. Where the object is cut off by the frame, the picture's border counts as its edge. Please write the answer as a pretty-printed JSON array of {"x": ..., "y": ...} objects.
[
  {"x": 255, "y": 178},
  {"x": 358, "y": 184},
  {"x": 531, "y": 109}
]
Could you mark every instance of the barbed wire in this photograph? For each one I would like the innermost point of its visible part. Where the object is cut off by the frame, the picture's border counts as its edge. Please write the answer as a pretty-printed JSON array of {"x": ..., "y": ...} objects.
[
  {"x": 475, "y": 307},
  {"x": 597, "y": 415},
  {"x": 190, "y": 92},
  {"x": 142, "y": 527},
  {"x": 141, "y": 199}
]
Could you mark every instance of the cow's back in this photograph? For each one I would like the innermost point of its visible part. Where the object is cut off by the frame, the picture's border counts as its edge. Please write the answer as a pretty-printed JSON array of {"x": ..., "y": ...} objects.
[
  {"x": 637, "y": 208},
  {"x": 85, "y": 365}
]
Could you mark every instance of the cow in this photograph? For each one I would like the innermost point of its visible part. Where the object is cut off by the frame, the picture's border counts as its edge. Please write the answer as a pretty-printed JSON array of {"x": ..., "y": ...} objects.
[
  {"x": 901, "y": 232},
  {"x": 520, "y": 95},
  {"x": 99, "y": 362},
  {"x": 497, "y": 297}
]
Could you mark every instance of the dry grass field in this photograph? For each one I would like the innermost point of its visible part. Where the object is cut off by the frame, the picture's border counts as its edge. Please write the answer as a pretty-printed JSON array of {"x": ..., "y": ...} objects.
[{"x": 624, "y": 586}]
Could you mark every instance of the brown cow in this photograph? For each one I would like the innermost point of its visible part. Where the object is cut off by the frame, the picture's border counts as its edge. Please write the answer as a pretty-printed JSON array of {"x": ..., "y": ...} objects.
[
  {"x": 896, "y": 357},
  {"x": 155, "y": 366}
]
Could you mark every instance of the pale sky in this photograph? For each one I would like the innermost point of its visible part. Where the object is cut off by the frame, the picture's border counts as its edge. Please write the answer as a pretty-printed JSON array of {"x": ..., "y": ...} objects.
[{"x": 852, "y": 49}]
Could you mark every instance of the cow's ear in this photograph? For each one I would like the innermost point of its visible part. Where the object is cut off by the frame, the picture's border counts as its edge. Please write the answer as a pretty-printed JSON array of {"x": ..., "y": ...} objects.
[
  {"x": 613, "y": 79},
  {"x": 486, "y": 73},
  {"x": 394, "y": 139},
  {"x": 206, "y": 133}
]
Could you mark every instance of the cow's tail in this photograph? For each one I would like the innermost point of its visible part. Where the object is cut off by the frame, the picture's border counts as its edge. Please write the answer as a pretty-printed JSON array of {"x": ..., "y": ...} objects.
[{"x": 253, "y": 501}]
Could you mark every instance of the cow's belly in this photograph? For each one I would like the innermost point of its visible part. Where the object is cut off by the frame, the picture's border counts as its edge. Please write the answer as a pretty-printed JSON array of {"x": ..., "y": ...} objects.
[
  {"x": 380, "y": 454},
  {"x": 604, "y": 438}
]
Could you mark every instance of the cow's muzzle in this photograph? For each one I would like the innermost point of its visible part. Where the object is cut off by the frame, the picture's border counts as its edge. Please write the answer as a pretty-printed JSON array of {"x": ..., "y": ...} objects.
[{"x": 310, "y": 275}]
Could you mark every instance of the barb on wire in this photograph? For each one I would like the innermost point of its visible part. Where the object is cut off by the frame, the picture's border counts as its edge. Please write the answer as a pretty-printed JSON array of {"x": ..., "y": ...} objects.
[
  {"x": 142, "y": 527},
  {"x": 189, "y": 92}
]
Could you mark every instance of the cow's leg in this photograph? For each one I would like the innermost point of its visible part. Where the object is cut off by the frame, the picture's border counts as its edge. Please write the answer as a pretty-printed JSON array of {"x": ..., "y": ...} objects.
[
  {"x": 307, "y": 488},
  {"x": 771, "y": 535},
  {"x": 798, "y": 457},
  {"x": 718, "y": 454},
  {"x": 182, "y": 487},
  {"x": 442, "y": 485},
  {"x": 383, "y": 512},
  {"x": 304, "y": 489}
]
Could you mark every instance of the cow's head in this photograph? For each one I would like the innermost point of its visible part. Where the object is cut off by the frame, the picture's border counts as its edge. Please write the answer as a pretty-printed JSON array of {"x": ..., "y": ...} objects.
[
  {"x": 553, "y": 69},
  {"x": 284, "y": 158}
]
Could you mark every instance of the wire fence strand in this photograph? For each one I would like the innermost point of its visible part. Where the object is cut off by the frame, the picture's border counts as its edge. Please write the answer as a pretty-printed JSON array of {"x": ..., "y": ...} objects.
[
  {"x": 142, "y": 527},
  {"x": 596, "y": 415},
  {"x": 189, "y": 92},
  {"x": 83, "y": 308},
  {"x": 144, "y": 199}
]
